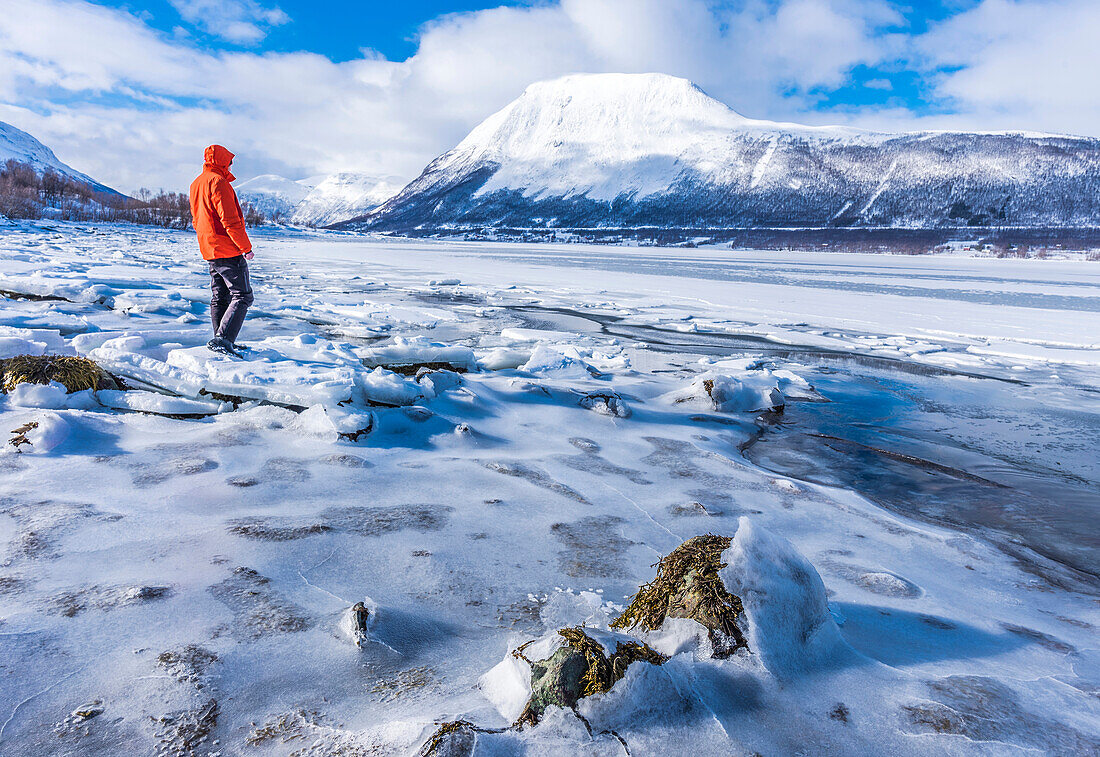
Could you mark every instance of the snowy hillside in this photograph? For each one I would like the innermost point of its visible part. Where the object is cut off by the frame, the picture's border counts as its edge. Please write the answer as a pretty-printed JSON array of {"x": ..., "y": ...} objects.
[
  {"x": 320, "y": 200},
  {"x": 18, "y": 145},
  {"x": 342, "y": 196},
  {"x": 273, "y": 196},
  {"x": 638, "y": 150}
]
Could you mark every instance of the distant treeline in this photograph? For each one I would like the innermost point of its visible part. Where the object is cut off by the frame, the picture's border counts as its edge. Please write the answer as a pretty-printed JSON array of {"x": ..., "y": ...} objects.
[
  {"x": 24, "y": 193},
  {"x": 998, "y": 242}
]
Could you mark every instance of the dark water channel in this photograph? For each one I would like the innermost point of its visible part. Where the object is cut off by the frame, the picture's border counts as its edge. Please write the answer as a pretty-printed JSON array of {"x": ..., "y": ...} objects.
[
  {"x": 996, "y": 456},
  {"x": 971, "y": 454}
]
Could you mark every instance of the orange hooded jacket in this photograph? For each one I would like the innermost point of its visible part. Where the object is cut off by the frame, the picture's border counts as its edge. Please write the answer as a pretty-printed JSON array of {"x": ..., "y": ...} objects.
[{"x": 215, "y": 210}]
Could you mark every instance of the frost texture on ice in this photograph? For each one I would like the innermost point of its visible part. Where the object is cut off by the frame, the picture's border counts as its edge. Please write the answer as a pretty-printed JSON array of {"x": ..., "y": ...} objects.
[{"x": 540, "y": 515}]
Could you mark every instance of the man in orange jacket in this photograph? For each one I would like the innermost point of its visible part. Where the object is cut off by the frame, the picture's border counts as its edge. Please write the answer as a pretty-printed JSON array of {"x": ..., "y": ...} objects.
[{"x": 223, "y": 241}]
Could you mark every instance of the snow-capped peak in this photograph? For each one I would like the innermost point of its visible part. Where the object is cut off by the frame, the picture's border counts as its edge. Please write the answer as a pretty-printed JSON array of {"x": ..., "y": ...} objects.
[
  {"x": 272, "y": 183},
  {"x": 575, "y": 135},
  {"x": 317, "y": 200},
  {"x": 649, "y": 150},
  {"x": 596, "y": 119},
  {"x": 639, "y": 111},
  {"x": 274, "y": 196},
  {"x": 342, "y": 196}
]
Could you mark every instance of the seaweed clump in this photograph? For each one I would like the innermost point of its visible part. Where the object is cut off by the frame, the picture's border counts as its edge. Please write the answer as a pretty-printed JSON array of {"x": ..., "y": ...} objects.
[
  {"x": 687, "y": 585},
  {"x": 578, "y": 669},
  {"x": 454, "y": 739},
  {"x": 19, "y": 435},
  {"x": 75, "y": 373}
]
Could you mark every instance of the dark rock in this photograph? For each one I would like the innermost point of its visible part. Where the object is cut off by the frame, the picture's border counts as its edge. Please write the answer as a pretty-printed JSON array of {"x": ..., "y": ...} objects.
[
  {"x": 579, "y": 669},
  {"x": 606, "y": 403},
  {"x": 687, "y": 585}
]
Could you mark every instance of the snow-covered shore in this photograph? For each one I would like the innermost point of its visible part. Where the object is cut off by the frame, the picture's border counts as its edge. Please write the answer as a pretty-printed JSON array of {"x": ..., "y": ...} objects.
[{"x": 179, "y": 559}]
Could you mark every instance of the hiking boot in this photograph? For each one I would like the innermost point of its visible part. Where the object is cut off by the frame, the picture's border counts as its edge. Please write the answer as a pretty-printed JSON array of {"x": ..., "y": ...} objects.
[
  {"x": 241, "y": 347},
  {"x": 222, "y": 346}
]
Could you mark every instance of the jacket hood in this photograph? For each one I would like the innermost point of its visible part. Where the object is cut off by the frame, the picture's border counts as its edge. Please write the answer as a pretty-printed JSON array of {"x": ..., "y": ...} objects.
[{"x": 219, "y": 158}]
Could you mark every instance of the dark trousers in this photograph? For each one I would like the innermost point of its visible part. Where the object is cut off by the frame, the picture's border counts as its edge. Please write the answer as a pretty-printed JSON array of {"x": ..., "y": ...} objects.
[{"x": 231, "y": 295}]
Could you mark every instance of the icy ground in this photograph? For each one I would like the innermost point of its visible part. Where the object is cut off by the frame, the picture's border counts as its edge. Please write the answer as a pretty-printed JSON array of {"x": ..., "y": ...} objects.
[{"x": 176, "y": 560}]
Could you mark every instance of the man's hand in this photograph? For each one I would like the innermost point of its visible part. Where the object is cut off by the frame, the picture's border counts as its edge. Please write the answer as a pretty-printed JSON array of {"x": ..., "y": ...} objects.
[{"x": 249, "y": 255}]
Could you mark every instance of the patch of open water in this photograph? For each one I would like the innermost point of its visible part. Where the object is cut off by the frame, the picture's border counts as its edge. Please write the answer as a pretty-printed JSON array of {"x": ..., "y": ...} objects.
[{"x": 985, "y": 454}]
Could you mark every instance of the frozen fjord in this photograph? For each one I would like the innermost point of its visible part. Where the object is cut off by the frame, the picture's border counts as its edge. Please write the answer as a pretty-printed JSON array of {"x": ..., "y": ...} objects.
[{"x": 190, "y": 573}]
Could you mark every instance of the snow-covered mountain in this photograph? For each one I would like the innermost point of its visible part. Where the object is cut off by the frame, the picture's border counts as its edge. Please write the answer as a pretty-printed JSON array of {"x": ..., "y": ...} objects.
[
  {"x": 319, "y": 200},
  {"x": 18, "y": 145},
  {"x": 342, "y": 196},
  {"x": 274, "y": 196},
  {"x": 649, "y": 150}
]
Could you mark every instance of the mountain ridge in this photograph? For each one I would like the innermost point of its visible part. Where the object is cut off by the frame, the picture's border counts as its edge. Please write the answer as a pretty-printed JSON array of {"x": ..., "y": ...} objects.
[
  {"x": 317, "y": 201},
  {"x": 648, "y": 150}
]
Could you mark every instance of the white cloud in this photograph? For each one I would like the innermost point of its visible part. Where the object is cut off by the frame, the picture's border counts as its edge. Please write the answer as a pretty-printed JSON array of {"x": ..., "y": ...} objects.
[
  {"x": 241, "y": 21},
  {"x": 1021, "y": 64},
  {"x": 138, "y": 111}
]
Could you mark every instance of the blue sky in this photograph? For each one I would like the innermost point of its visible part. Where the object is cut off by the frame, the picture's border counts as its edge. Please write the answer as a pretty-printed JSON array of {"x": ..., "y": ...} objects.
[
  {"x": 339, "y": 29},
  {"x": 129, "y": 91}
]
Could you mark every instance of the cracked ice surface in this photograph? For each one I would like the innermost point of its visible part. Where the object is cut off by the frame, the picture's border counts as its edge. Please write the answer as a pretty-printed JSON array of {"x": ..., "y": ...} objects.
[{"x": 912, "y": 532}]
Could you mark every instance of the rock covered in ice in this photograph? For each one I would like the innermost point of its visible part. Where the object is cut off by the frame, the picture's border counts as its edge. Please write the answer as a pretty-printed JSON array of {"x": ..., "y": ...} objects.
[
  {"x": 606, "y": 403},
  {"x": 560, "y": 361},
  {"x": 418, "y": 351},
  {"x": 356, "y": 622},
  {"x": 382, "y": 387},
  {"x": 507, "y": 685},
  {"x": 679, "y": 635},
  {"x": 503, "y": 358},
  {"x": 159, "y": 404},
  {"x": 754, "y": 590},
  {"x": 560, "y": 669},
  {"x": 284, "y": 375},
  {"x": 688, "y": 585},
  {"x": 647, "y": 695},
  {"x": 750, "y": 391},
  {"x": 335, "y": 422},
  {"x": 788, "y": 620},
  {"x": 435, "y": 382}
]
